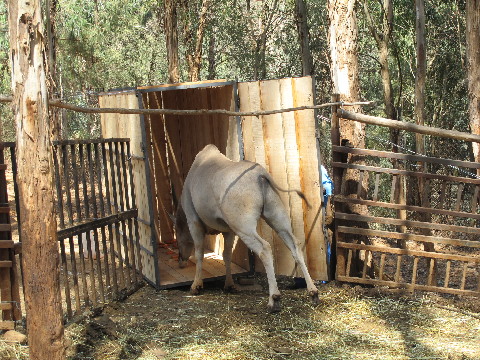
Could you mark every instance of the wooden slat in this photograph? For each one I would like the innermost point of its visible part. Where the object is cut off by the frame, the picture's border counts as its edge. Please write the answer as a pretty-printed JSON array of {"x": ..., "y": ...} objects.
[
  {"x": 275, "y": 155},
  {"x": 458, "y": 203},
  {"x": 310, "y": 178},
  {"x": 6, "y": 306},
  {"x": 407, "y": 286},
  {"x": 254, "y": 146},
  {"x": 427, "y": 254},
  {"x": 377, "y": 183},
  {"x": 342, "y": 199},
  {"x": 407, "y": 236},
  {"x": 409, "y": 223},
  {"x": 5, "y": 264},
  {"x": 7, "y": 325},
  {"x": 7, "y": 244},
  {"x": 447, "y": 274},
  {"x": 292, "y": 162},
  {"x": 406, "y": 157},
  {"x": 405, "y": 173},
  {"x": 464, "y": 275}
]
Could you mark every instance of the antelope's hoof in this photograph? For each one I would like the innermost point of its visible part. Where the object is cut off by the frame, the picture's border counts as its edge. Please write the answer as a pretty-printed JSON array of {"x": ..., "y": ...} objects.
[
  {"x": 276, "y": 304},
  {"x": 232, "y": 289},
  {"x": 196, "y": 290},
  {"x": 315, "y": 298}
]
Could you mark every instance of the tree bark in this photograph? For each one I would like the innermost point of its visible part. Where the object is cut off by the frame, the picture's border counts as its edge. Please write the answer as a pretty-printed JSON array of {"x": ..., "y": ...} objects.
[
  {"x": 35, "y": 181},
  {"x": 303, "y": 37},
  {"x": 171, "y": 35},
  {"x": 382, "y": 38},
  {"x": 344, "y": 72},
  {"x": 473, "y": 70},
  {"x": 54, "y": 85},
  {"x": 194, "y": 55},
  {"x": 420, "y": 79}
]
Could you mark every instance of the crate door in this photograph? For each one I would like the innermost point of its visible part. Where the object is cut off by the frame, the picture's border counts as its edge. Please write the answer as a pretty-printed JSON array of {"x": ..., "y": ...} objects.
[{"x": 132, "y": 126}]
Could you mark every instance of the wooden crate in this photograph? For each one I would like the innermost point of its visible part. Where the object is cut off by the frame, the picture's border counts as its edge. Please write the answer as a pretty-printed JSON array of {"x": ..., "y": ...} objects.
[{"x": 284, "y": 144}]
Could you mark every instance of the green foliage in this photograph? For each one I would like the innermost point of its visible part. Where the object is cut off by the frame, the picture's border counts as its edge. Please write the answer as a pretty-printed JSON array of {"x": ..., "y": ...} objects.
[{"x": 114, "y": 43}]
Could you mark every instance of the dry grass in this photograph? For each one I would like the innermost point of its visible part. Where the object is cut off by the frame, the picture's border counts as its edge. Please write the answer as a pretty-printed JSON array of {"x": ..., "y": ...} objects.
[{"x": 349, "y": 323}]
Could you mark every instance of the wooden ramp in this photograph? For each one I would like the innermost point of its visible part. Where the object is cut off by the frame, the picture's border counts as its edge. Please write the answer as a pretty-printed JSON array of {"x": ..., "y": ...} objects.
[{"x": 171, "y": 275}]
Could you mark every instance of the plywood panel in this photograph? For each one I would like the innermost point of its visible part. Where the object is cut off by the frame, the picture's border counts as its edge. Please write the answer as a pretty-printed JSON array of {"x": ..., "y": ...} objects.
[
  {"x": 275, "y": 154},
  {"x": 292, "y": 162},
  {"x": 253, "y": 139},
  {"x": 174, "y": 143},
  {"x": 310, "y": 178}
]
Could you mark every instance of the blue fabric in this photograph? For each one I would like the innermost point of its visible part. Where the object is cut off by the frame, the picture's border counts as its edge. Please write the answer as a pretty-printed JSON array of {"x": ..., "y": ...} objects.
[{"x": 327, "y": 185}]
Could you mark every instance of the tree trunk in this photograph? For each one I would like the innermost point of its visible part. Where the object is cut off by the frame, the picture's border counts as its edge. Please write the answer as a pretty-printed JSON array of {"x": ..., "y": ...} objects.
[
  {"x": 420, "y": 79},
  {"x": 344, "y": 72},
  {"x": 171, "y": 35},
  {"x": 382, "y": 38},
  {"x": 303, "y": 37},
  {"x": 211, "y": 56},
  {"x": 54, "y": 80},
  {"x": 35, "y": 181},
  {"x": 194, "y": 58},
  {"x": 473, "y": 70}
]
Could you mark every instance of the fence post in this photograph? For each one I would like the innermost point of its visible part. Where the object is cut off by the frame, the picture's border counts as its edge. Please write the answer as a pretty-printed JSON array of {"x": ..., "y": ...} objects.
[{"x": 338, "y": 255}]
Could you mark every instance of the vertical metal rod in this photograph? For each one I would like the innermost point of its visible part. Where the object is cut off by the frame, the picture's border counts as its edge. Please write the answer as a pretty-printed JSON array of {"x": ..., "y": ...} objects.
[
  {"x": 122, "y": 208},
  {"x": 98, "y": 167},
  {"x": 131, "y": 247},
  {"x": 115, "y": 210},
  {"x": 95, "y": 215}
]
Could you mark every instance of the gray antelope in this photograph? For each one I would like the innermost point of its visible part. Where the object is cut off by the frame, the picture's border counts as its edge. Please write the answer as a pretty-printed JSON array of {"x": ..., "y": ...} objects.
[{"x": 228, "y": 197}]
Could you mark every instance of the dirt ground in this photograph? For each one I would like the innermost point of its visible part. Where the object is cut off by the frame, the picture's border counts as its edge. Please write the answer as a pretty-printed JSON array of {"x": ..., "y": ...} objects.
[{"x": 349, "y": 323}]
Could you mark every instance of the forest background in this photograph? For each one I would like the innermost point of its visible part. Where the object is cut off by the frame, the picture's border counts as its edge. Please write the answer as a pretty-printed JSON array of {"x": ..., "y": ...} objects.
[{"x": 100, "y": 45}]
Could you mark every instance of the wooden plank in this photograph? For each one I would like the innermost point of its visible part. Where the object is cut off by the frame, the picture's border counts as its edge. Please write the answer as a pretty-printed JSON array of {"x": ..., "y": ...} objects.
[
  {"x": 292, "y": 160},
  {"x": 375, "y": 192},
  {"x": 342, "y": 199},
  {"x": 408, "y": 237},
  {"x": 409, "y": 223},
  {"x": 174, "y": 142},
  {"x": 458, "y": 203},
  {"x": 447, "y": 274},
  {"x": 407, "y": 286},
  {"x": 310, "y": 178},
  {"x": 405, "y": 173},
  {"x": 162, "y": 181},
  {"x": 254, "y": 146},
  {"x": 7, "y": 244},
  {"x": 406, "y": 157},
  {"x": 7, "y": 325},
  {"x": 426, "y": 254},
  {"x": 140, "y": 136},
  {"x": 275, "y": 157}
]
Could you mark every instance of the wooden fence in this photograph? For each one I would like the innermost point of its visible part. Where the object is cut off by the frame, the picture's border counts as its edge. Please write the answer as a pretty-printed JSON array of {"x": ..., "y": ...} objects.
[
  {"x": 10, "y": 305},
  {"x": 97, "y": 219},
  {"x": 389, "y": 238}
]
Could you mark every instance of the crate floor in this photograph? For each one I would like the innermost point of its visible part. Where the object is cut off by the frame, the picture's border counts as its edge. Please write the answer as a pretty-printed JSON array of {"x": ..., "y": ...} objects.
[{"x": 171, "y": 275}]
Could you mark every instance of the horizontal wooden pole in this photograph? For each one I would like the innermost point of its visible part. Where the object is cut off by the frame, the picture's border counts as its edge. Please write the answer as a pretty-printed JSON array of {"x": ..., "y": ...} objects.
[
  {"x": 94, "y": 110},
  {"x": 401, "y": 125},
  {"x": 407, "y": 252},
  {"x": 409, "y": 223},
  {"x": 89, "y": 141},
  {"x": 406, "y": 157},
  {"x": 344, "y": 199},
  {"x": 417, "y": 174},
  {"x": 408, "y": 236},
  {"x": 5, "y": 98}
]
